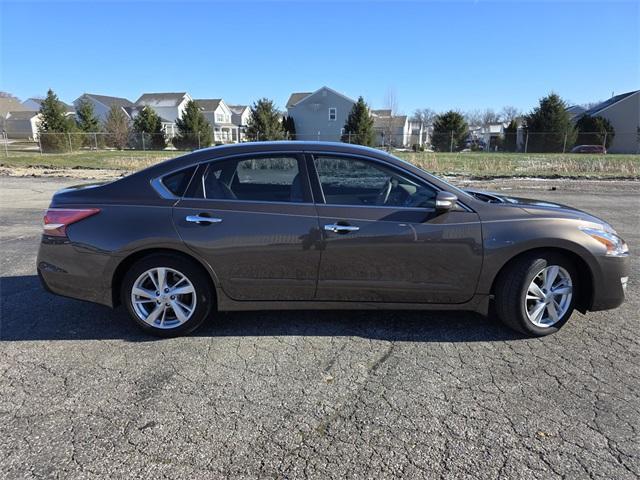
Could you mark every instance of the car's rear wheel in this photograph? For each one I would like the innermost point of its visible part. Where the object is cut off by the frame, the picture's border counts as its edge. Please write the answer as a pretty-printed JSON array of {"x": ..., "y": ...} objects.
[
  {"x": 536, "y": 294},
  {"x": 167, "y": 295}
]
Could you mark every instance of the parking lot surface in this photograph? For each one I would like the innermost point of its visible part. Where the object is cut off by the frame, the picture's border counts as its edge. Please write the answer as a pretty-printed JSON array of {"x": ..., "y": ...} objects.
[{"x": 84, "y": 394}]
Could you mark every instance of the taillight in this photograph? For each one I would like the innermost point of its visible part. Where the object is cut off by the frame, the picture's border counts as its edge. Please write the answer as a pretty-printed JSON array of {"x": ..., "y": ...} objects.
[{"x": 56, "y": 220}]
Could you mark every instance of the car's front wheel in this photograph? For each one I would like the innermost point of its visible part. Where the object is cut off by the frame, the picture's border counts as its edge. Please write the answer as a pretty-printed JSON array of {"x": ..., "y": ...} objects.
[
  {"x": 536, "y": 294},
  {"x": 166, "y": 295}
]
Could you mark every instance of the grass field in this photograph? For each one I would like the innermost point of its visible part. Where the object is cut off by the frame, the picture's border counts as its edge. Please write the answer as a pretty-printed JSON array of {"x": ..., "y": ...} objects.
[{"x": 480, "y": 165}]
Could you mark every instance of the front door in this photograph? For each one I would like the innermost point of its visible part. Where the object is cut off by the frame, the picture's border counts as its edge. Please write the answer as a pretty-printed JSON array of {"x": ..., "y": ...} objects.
[
  {"x": 383, "y": 240},
  {"x": 253, "y": 220}
]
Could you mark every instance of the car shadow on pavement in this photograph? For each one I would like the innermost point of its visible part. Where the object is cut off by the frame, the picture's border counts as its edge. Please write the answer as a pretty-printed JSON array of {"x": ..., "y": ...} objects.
[{"x": 29, "y": 313}]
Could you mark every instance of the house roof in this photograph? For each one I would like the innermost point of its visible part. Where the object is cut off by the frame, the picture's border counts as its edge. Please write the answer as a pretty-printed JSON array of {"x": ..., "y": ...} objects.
[
  {"x": 382, "y": 113},
  {"x": 607, "y": 103},
  {"x": 22, "y": 115},
  {"x": 169, "y": 99},
  {"x": 208, "y": 104},
  {"x": 38, "y": 101},
  {"x": 387, "y": 121},
  {"x": 238, "y": 109},
  {"x": 8, "y": 104},
  {"x": 296, "y": 97},
  {"x": 108, "y": 101}
]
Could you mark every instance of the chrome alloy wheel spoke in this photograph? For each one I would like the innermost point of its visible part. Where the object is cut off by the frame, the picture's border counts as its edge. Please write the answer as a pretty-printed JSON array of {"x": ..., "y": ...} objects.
[{"x": 548, "y": 296}]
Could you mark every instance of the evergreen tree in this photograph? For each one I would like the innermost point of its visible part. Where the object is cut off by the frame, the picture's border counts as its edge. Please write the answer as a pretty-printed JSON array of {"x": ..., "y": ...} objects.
[
  {"x": 511, "y": 136},
  {"x": 289, "y": 127},
  {"x": 148, "y": 127},
  {"x": 594, "y": 131},
  {"x": 117, "y": 128},
  {"x": 86, "y": 119},
  {"x": 56, "y": 128},
  {"x": 549, "y": 126},
  {"x": 358, "y": 128},
  {"x": 194, "y": 131},
  {"x": 450, "y": 131},
  {"x": 265, "y": 122}
]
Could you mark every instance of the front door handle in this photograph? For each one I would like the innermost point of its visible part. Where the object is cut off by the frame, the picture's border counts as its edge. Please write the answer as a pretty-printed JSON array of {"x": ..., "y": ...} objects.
[
  {"x": 202, "y": 220},
  {"x": 335, "y": 228}
]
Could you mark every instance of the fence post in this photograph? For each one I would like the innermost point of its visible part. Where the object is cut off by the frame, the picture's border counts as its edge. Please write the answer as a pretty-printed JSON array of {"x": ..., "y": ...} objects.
[
  {"x": 564, "y": 146},
  {"x": 198, "y": 140},
  {"x": 95, "y": 140},
  {"x": 451, "y": 149},
  {"x": 143, "y": 147},
  {"x": 69, "y": 138},
  {"x": 349, "y": 137},
  {"x": 257, "y": 136},
  {"x": 526, "y": 142},
  {"x": 39, "y": 142},
  {"x": 6, "y": 141},
  {"x": 604, "y": 141}
]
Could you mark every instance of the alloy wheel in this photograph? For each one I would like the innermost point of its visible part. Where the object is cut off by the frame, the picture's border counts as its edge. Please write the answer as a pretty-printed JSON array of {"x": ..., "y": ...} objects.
[
  {"x": 163, "y": 298},
  {"x": 549, "y": 296}
]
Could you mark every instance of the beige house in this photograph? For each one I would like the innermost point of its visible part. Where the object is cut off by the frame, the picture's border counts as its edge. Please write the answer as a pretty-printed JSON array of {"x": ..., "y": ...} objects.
[{"x": 22, "y": 125}]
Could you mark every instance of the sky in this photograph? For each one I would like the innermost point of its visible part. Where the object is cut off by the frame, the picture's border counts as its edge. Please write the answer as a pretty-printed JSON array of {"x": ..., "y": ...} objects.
[{"x": 430, "y": 54}]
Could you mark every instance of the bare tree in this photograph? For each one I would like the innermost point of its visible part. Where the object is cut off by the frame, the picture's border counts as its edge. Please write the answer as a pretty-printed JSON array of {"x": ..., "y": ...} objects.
[
  {"x": 488, "y": 117},
  {"x": 423, "y": 116},
  {"x": 388, "y": 123},
  {"x": 510, "y": 113},
  {"x": 473, "y": 117}
]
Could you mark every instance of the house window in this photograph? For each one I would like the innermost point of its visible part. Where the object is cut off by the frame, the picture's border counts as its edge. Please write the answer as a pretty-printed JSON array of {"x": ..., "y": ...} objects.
[
  {"x": 332, "y": 114},
  {"x": 219, "y": 117}
]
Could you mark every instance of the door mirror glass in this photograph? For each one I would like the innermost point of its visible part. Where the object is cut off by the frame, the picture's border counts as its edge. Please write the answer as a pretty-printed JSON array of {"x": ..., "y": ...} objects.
[{"x": 445, "y": 201}]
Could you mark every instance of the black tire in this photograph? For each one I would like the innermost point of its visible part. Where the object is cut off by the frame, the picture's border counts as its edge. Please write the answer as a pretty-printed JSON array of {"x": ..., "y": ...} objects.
[
  {"x": 511, "y": 289},
  {"x": 188, "y": 268}
]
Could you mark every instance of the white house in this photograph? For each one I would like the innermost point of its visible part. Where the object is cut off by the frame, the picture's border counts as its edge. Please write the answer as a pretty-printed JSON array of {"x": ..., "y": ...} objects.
[
  {"x": 168, "y": 106},
  {"x": 240, "y": 116},
  {"x": 219, "y": 116},
  {"x": 396, "y": 130},
  {"x": 23, "y": 124},
  {"x": 103, "y": 103}
]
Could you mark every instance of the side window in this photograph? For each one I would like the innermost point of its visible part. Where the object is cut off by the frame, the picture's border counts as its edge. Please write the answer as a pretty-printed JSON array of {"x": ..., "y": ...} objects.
[
  {"x": 348, "y": 181},
  {"x": 178, "y": 182},
  {"x": 333, "y": 114},
  {"x": 262, "y": 179}
]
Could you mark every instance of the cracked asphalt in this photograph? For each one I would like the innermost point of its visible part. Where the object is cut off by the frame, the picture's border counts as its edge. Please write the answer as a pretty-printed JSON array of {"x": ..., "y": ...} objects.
[{"x": 83, "y": 394}]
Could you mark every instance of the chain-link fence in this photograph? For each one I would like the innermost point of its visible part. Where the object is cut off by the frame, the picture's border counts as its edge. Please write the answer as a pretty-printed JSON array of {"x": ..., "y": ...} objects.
[{"x": 521, "y": 141}]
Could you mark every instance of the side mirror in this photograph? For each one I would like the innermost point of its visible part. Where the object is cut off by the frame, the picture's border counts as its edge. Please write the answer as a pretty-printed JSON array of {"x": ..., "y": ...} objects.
[{"x": 445, "y": 201}]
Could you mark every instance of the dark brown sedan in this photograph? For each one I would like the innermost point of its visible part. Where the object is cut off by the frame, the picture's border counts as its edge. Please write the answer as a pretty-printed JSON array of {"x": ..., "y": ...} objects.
[{"x": 305, "y": 225}]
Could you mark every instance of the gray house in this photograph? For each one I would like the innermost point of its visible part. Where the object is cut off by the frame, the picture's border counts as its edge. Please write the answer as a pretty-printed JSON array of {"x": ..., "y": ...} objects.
[
  {"x": 103, "y": 103},
  {"x": 623, "y": 112},
  {"x": 319, "y": 115}
]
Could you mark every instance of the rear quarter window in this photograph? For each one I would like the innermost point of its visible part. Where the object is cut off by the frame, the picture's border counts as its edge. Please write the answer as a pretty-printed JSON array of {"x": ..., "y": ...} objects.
[{"x": 178, "y": 182}]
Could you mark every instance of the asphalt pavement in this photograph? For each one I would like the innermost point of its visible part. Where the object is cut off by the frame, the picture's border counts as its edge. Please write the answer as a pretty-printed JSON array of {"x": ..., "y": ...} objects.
[{"x": 84, "y": 394}]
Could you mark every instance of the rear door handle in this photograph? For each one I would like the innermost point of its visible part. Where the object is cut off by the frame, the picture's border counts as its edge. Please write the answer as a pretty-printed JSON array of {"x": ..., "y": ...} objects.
[
  {"x": 335, "y": 228},
  {"x": 201, "y": 220}
]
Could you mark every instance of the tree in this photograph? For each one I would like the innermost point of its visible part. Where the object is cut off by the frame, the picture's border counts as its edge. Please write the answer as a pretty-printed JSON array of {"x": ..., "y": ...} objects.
[
  {"x": 473, "y": 118},
  {"x": 511, "y": 136},
  {"x": 86, "y": 119},
  {"x": 424, "y": 116},
  {"x": 509, "y": 113},
  {"x": 549, "y": 126},
  {"x": 359, "y": 126},
  {"x": 148, "y": 126},
  {"x": 594, "y": 131},
  {"x": 56, "y": 127},
  {"x": 289, "y": 127},
  {"x": 194, "y": 131},
  {"x": 117, "y": 128},
  {"x": 450, "y": 131},
  {"x": 489, "y": 117},
  {"x": 265, "y": 121}
]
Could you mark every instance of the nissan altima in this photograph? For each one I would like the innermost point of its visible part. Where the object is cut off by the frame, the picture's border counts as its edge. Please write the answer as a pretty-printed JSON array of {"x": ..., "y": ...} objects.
[{"x": 310, "y": 225}]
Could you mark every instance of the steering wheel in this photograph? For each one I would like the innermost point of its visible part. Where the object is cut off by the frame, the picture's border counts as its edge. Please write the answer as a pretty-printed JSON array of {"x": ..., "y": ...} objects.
[{"x": 383, "y": 195}]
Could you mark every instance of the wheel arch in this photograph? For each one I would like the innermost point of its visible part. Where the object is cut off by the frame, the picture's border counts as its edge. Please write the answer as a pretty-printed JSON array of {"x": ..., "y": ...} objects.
[
  {"x": 124, "y": 265},
  {"x": 585, "y": 274}
]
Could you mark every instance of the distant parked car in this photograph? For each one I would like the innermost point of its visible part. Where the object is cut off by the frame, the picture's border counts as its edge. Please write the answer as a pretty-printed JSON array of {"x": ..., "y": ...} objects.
[
  {"x": 310, "y": 225},
  {"x": 589, "y": 149}
]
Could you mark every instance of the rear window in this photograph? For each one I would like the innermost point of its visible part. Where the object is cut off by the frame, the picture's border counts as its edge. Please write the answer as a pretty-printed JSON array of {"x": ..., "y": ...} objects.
[{"x": 178, "y": 182}]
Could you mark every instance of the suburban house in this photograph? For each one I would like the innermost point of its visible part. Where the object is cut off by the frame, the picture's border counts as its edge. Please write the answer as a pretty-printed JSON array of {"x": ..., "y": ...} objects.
[
  {"x": 396, "y": 130},
  {"x": 103, "y": 103},
  {"x": 22, "y": 124},
  {"x": 240, "y": 116},
  {"x": 168, "y": 106},
  {"x": 219, "y": 116},
  {"x": 623, "y": 112},
  {"x": 34, "y": 104},
  {"x": 7, "y": 105},
  {"x": 319, "y": 115}
]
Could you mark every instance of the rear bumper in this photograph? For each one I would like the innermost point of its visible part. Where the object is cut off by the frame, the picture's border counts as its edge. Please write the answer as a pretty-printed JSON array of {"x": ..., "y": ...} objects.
[
  {"x": 609, "y": 285},
  {"x": 65, "y": 269}
]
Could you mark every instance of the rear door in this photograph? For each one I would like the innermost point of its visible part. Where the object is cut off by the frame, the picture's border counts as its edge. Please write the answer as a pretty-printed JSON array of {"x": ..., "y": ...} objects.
[
  {"x": 252, "y": 218},
  {"x": 383, "y": 240}
]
